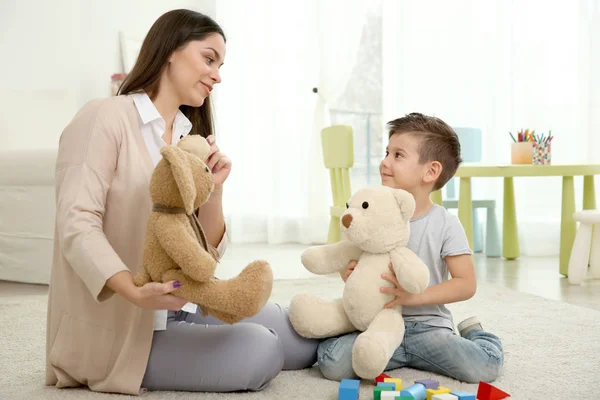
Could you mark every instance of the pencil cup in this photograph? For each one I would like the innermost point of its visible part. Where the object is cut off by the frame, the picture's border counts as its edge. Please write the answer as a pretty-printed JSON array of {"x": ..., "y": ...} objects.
[
  {"x": 542, "y": 153},
  {"x": 521, "y": 152}
]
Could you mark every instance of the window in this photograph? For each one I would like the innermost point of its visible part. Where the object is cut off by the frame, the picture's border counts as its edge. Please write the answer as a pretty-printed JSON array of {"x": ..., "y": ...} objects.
[{"x": 361, "y": 103}]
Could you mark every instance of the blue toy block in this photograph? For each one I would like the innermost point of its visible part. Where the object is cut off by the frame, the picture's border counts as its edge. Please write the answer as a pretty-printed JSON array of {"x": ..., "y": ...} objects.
[
  {"x": 348, "y": 389},
  {"x": 429, "y": 383},
  {"x": 387, "y": 384},
  {"x": 464, "y": 395},
  {"x": 417, "y": 391}
]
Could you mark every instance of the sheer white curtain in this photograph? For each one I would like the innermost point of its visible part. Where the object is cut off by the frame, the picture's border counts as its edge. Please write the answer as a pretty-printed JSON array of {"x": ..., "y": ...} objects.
[
  {"x": 268, "y": 118},
  {"x": 502, "y": 66},
  {"x": 339, "y": 26}
]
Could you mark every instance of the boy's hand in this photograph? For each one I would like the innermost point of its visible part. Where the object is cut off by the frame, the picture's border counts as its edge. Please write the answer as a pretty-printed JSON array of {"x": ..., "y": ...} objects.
[
  {"x": 403, "y": 298},
  {"x": 345, "y": 273}
]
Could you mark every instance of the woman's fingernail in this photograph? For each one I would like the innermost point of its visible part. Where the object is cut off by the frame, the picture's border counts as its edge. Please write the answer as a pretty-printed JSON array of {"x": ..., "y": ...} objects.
[
  {"x": 208, "y": 140},
  {"x": 176, "y": 284}
]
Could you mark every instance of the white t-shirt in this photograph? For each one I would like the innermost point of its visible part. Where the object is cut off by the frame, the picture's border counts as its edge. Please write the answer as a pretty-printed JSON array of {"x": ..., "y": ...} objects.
[{"x": 153, "y": 127}]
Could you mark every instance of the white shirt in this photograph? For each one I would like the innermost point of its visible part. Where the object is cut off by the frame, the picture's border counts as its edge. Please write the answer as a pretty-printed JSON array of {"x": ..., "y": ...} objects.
[{"x": 153, "y": 127}]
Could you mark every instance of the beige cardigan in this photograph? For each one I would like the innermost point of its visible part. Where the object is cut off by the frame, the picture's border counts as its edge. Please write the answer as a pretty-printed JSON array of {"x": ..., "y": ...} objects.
[{"x": 95, "y": 337}]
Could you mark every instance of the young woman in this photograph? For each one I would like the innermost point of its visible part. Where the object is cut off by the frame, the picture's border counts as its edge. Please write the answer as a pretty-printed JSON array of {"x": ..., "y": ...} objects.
[{"x": 102, "y": 330}]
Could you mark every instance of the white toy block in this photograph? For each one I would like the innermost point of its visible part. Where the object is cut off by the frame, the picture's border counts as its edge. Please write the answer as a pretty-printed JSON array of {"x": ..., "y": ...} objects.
[
  {"x": 444, "y": 396},
  {"x": 389, "y": 395}
]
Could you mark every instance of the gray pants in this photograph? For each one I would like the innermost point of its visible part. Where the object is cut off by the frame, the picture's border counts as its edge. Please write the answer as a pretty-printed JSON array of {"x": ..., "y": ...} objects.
[{"x": 202, "y": 354}]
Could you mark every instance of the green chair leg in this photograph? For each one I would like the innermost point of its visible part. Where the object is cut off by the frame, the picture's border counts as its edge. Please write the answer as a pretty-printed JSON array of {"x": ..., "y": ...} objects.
[
  {"x": 510, "y": 237},
  {"x": 568, "y": 226},
  {"x": 589, "y": 196},
  {"x": 465, "y": 208},
  {"x": 334, "y": 230}
]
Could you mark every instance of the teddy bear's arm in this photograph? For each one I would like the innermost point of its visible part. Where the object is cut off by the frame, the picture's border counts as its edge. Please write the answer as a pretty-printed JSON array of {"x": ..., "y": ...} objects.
[
  {"x": 330, "y": 258},
  {"x": 410, "y": 270},
  {"x": 184, "y": 249}
]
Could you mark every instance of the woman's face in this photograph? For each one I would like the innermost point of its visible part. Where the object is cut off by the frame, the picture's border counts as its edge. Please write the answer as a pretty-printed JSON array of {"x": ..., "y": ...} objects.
[{"x": 194, "y": 69}]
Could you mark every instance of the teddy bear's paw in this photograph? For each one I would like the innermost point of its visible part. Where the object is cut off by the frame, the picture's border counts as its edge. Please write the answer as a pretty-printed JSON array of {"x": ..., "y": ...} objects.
[
  {"x": 369, "y": 357},
  {"x": 301, "y": 314},
  {"x": 314, "y": 317},
  {"x": 254, "y": 285},
  {"x": 314, "y": 259}
]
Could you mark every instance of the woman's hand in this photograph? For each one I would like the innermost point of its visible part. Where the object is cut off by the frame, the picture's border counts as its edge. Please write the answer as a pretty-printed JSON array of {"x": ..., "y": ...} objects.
[
  {"x": 345, "y": 273},
  {"x": 217, "y": 162},
  {"x": 156, "y": 296},
  {"x": 402, "y": 297},
  {"x": 153, "y": 295}
]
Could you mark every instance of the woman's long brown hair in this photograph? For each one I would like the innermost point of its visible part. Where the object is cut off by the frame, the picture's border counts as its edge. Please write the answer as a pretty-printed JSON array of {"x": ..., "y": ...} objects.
[{"x": 171, "y": 31}]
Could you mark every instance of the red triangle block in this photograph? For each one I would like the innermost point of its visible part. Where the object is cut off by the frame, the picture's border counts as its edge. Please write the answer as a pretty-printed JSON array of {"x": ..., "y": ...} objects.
[
  {"x": 381, "y": 378},
  {"x": 489, "y": 392}
]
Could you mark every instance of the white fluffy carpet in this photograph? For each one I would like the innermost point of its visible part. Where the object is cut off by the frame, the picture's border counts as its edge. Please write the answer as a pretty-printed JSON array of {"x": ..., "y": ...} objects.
[{"x": 552, "y": 350}]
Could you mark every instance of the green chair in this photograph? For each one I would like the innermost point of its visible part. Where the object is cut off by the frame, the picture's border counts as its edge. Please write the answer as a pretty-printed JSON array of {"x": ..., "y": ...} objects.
[
  {"x": 338, "y": 155},
  {"x": 471, "y": 148}
]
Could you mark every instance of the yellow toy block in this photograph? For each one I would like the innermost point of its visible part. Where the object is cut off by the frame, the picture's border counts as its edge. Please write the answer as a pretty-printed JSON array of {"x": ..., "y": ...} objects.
[
  {"x": 396, "y": 381},
  {"x": 439, "y": 390}
]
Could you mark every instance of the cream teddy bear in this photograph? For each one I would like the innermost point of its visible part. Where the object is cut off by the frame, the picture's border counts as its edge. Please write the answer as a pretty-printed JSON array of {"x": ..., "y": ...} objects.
[{"x": 376, "y": 228}]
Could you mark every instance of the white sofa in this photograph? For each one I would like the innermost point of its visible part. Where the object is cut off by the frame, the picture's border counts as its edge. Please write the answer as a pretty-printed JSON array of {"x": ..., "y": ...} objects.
[
  {"x": 27, "y": 208},
  {"x": 30, "y": 125}
]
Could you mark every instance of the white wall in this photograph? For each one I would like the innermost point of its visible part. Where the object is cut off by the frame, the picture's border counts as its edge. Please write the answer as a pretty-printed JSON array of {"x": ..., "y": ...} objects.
[
  {"x": 58, "y": 54},
  {"x": 483, "y": 64}
]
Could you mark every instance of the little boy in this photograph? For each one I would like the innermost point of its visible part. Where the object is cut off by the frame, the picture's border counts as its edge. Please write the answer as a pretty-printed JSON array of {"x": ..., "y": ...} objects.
[{"x": 423, "y": 153}]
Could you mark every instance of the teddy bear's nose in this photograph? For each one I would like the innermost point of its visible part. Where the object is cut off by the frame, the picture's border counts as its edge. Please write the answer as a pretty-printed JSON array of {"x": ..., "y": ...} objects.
[{"x": 347, "y": 220}]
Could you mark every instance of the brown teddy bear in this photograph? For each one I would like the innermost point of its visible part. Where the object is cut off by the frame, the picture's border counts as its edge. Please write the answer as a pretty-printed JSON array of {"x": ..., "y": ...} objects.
[{"x": 176, "y": 248}]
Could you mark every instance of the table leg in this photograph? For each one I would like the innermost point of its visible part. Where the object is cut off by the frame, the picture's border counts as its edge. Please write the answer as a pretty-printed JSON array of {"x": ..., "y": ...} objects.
[
  {"x": 510, "y": 235},
  {"x": 589, "y": 203},
  {"x": 436, "y": 197},
  {"x": 568, "y": 226},
  {"x": 465, "y": 208},
  {"x": 589, "y": 193}
]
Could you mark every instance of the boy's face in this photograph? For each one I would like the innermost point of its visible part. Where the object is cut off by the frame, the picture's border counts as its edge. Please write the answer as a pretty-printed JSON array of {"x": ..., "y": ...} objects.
[{"x": 400, "y": 169}]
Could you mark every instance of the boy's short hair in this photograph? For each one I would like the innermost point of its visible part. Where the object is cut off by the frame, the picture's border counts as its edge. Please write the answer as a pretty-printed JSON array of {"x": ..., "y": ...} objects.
[{"x": 439, "y": 142}]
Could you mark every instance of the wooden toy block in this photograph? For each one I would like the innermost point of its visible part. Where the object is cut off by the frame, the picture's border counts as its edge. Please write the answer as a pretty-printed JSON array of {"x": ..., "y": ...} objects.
[
  {"x": 348, "y": 389},
  {"x": 397, "y": 381},
  {"x": 387, "y": 384},
  {"x": 404, "y": 398},
  {"x": 463, "y": 395},
  {"x": 377, "y": 390},
  {"x": 428, "y": 383},
  {"x": 381, "y": 378},
  {"x": 439, "y": 390},
  {"x": 391, "y": 395},
  {"x": 417, "y": 391},
  {"x": 485, "y": 391},
  {"x": 444, "y": 396}
]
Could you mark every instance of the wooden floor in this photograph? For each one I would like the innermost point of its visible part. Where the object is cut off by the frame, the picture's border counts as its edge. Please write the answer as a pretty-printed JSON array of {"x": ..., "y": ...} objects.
[
  {"x": 533, "y": 275},
  {"x": 538, "y": 276}
]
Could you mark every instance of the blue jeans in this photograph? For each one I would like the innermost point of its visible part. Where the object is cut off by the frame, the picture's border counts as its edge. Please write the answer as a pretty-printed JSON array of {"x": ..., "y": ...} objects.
[{"x": 474, "y": 358}]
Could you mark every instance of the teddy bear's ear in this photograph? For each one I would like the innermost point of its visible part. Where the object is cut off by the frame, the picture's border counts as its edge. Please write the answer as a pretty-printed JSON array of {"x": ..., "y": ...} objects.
[
  {"x": 183, "y": 175},
  {"x": 196, "y": 145},
  {"x": 406, "y": 201}
]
